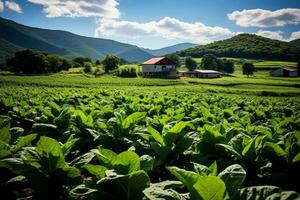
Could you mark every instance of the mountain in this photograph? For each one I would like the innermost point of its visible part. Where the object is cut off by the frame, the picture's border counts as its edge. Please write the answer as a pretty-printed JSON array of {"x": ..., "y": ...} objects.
[
  {"x": 170, "y": 49},
  {"x": 247, "y": 46},
  {"x": 295, "y": 42},
  {"x": 14, "y": 36}
]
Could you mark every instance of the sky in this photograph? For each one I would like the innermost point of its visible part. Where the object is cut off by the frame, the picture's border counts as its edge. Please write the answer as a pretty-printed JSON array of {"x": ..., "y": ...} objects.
[{"x": 159, "y": 23}]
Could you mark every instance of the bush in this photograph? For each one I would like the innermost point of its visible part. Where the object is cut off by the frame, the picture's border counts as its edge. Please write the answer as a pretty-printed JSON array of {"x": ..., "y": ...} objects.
[
  {"x": 110, "y": 63},
  {"x": 127, "y": 72},
  {"x": 210, "y": 61},
  {"x": 98, "y": 72},
  {"x": 87, "y": 67}
]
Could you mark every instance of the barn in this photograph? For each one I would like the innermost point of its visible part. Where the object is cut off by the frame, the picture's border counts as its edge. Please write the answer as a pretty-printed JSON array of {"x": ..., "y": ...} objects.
[
  {"x": 200, "y": 73},
  {"x": 159, "y": 67},
  {"x": 285, "y": 72}
]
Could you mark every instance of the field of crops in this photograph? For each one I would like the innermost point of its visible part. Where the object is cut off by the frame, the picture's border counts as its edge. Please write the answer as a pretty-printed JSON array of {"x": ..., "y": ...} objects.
[{"x": 120, "y": 143}]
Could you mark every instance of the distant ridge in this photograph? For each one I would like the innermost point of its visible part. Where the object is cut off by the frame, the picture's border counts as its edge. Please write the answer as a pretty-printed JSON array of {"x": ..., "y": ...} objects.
[
  {"x": 247, "y": 46},
  {"x": 14, "y": 36},
  {"x": 170, "y": 49}
]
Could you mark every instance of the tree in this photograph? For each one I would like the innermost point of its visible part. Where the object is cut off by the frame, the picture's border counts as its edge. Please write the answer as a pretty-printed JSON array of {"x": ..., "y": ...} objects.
[
  {"x": 190, "y": 63},
  {"x": 209, "y": 61},
  {"x": 98, "y": 62},
  {"x": 82, "y": 60},
  {"x": 175, "y": 58},
  {"x": 226, "y": 66},
  {"x": 66, "y": 64},
  {"x": 110, "y": 63},
  {"x": 28, "y": 61},
  {"x": 87, "y": 67},
  {"x": 248, "y": 69}
]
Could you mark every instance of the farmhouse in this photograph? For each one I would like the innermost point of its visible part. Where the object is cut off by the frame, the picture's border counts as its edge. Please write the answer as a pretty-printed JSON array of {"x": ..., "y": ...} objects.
[
  {"x": 200, "y": 73},
  {"x": 159, "y": 67},
  {"x": 285, "y": 72}
]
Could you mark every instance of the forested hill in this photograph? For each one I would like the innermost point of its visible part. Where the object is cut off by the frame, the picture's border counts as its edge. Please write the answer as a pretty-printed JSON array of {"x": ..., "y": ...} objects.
[
  {"x": 247, "y": 46},
  {"x": 14, "y": 36},
  {"x": 295, "y": 42}
]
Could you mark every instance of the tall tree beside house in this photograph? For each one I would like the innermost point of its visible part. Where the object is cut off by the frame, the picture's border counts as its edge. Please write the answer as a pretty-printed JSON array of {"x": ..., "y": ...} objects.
[
  {"x": 190, "y": 63},
  {"x": 110, "y": 62},
  {"x": 209, "y": 61},
  {"x": 175, "y": 58},
  {"x": 248, "y": 69}
]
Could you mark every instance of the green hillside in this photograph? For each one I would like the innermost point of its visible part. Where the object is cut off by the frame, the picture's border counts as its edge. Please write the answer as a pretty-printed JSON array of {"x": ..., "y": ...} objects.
[
  {"x": 7, "y": 49},
  {"x": 247, "y": 46},
  {"x": 295, "y": 42},
  {"x": 64, "y": 43}
]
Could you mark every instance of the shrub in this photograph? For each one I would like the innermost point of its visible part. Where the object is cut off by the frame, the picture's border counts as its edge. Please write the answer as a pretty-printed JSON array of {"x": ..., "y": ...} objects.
[
  {"x": 127, "y": 72},
  {"x": 87, "y": 67}
]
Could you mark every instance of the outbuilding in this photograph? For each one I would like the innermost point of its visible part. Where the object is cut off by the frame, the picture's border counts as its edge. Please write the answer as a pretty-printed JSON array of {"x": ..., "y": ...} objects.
[
  {"x": 159, "y": 67},
  {"x": 285, "y": 72},
  {"x": 200, "y": 73}
]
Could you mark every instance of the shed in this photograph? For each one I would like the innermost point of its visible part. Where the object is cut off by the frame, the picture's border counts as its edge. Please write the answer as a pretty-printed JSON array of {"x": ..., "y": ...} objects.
[
  {"x": 161, "y": 66},
  {"x": 285, "y": 72},
  {"x": 200, "y": 73}
]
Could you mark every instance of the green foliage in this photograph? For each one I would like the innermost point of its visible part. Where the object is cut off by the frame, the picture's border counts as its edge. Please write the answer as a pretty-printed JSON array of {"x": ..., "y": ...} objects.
[
  {"x": 248, "y": 69},
  {"x": 190, "y": 63},
  {"x": 87, "y": 67},
  {"x": 247, "y": 46},
  {"x": 127, "y": 72},
  {"x": 175, "y": 58},
  {"x": 34, "y": 62},
  {"x": 133, "y": 143},
  {"x": 110, "y": 62},
  {"x": 82, "y": 60},
  {"x": 209, "y": 61}
]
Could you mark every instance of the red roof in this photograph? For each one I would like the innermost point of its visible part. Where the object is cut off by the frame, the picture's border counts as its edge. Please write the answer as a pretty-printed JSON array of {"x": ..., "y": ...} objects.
[
  {"x": 159, "y": 61},
  {"x": 290, "y": 69}
]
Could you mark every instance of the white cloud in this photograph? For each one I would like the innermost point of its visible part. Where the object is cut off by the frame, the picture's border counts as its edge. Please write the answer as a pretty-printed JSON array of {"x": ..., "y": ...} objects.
[
  {"x": 168, "y": 28},
  {"x": 13, "y": 6},
  {"x": 79, "y": 8},
  {"x": 1, "y": 6},
  {"x": 295, "y": 35},
  {"x": 265, "y": 18},
  {"x": 276, "y": 35}
]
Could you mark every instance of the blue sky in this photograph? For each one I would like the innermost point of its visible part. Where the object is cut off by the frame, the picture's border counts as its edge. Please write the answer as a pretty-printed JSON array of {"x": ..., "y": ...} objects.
[{"x": 159, "y": 23}]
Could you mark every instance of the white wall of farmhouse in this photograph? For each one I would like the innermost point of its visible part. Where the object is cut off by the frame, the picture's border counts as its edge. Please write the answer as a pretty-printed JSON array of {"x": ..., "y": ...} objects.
[{"x": 157, "y": 68}]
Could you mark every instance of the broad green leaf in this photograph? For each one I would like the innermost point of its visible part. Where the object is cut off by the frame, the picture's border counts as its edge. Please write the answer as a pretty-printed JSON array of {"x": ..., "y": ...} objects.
[
  {"x": 97, "y": 170},
  {"x": 208, "y": 188},
  {"x": 66, "y": 147},
  {"x": 266, "y": 192},
  {"x": 249, "y": 150},
  {"x": 24, "y": 141},
  {"x": 104, "y": 155},
  {"x": 164, "y": 191},
  {"x": 156, "y": 135},
  {"x": 126, "y": 162},
  {"x": 229, "y": 149},
  {"x": 188, "y": 178},
  {"x": 4, "y": 149},
  {"x": 47, "y": 155},
  {"x": 133, "y": 119},
  {"x": 4, "y": 131},
  {"x": 44, "y": 129},
  {"x": 179, "y": 127},
  {"x": 147, "y": 163},
  {"x": 276, "y": 149},
  {"x": 296, "y": 158},
  {"x": 127, "y": 187},
  {"x": 213, "y": 169},
  {"x": 233, "y": 177}
]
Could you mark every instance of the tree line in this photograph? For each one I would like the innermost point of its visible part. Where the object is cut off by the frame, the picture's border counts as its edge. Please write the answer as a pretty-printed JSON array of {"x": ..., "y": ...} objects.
[{"x": 35, "y": 62}]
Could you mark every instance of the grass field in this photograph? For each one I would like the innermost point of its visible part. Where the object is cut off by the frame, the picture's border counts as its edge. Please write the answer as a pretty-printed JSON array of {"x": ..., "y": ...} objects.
[{"x": 260, "y": 84}]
